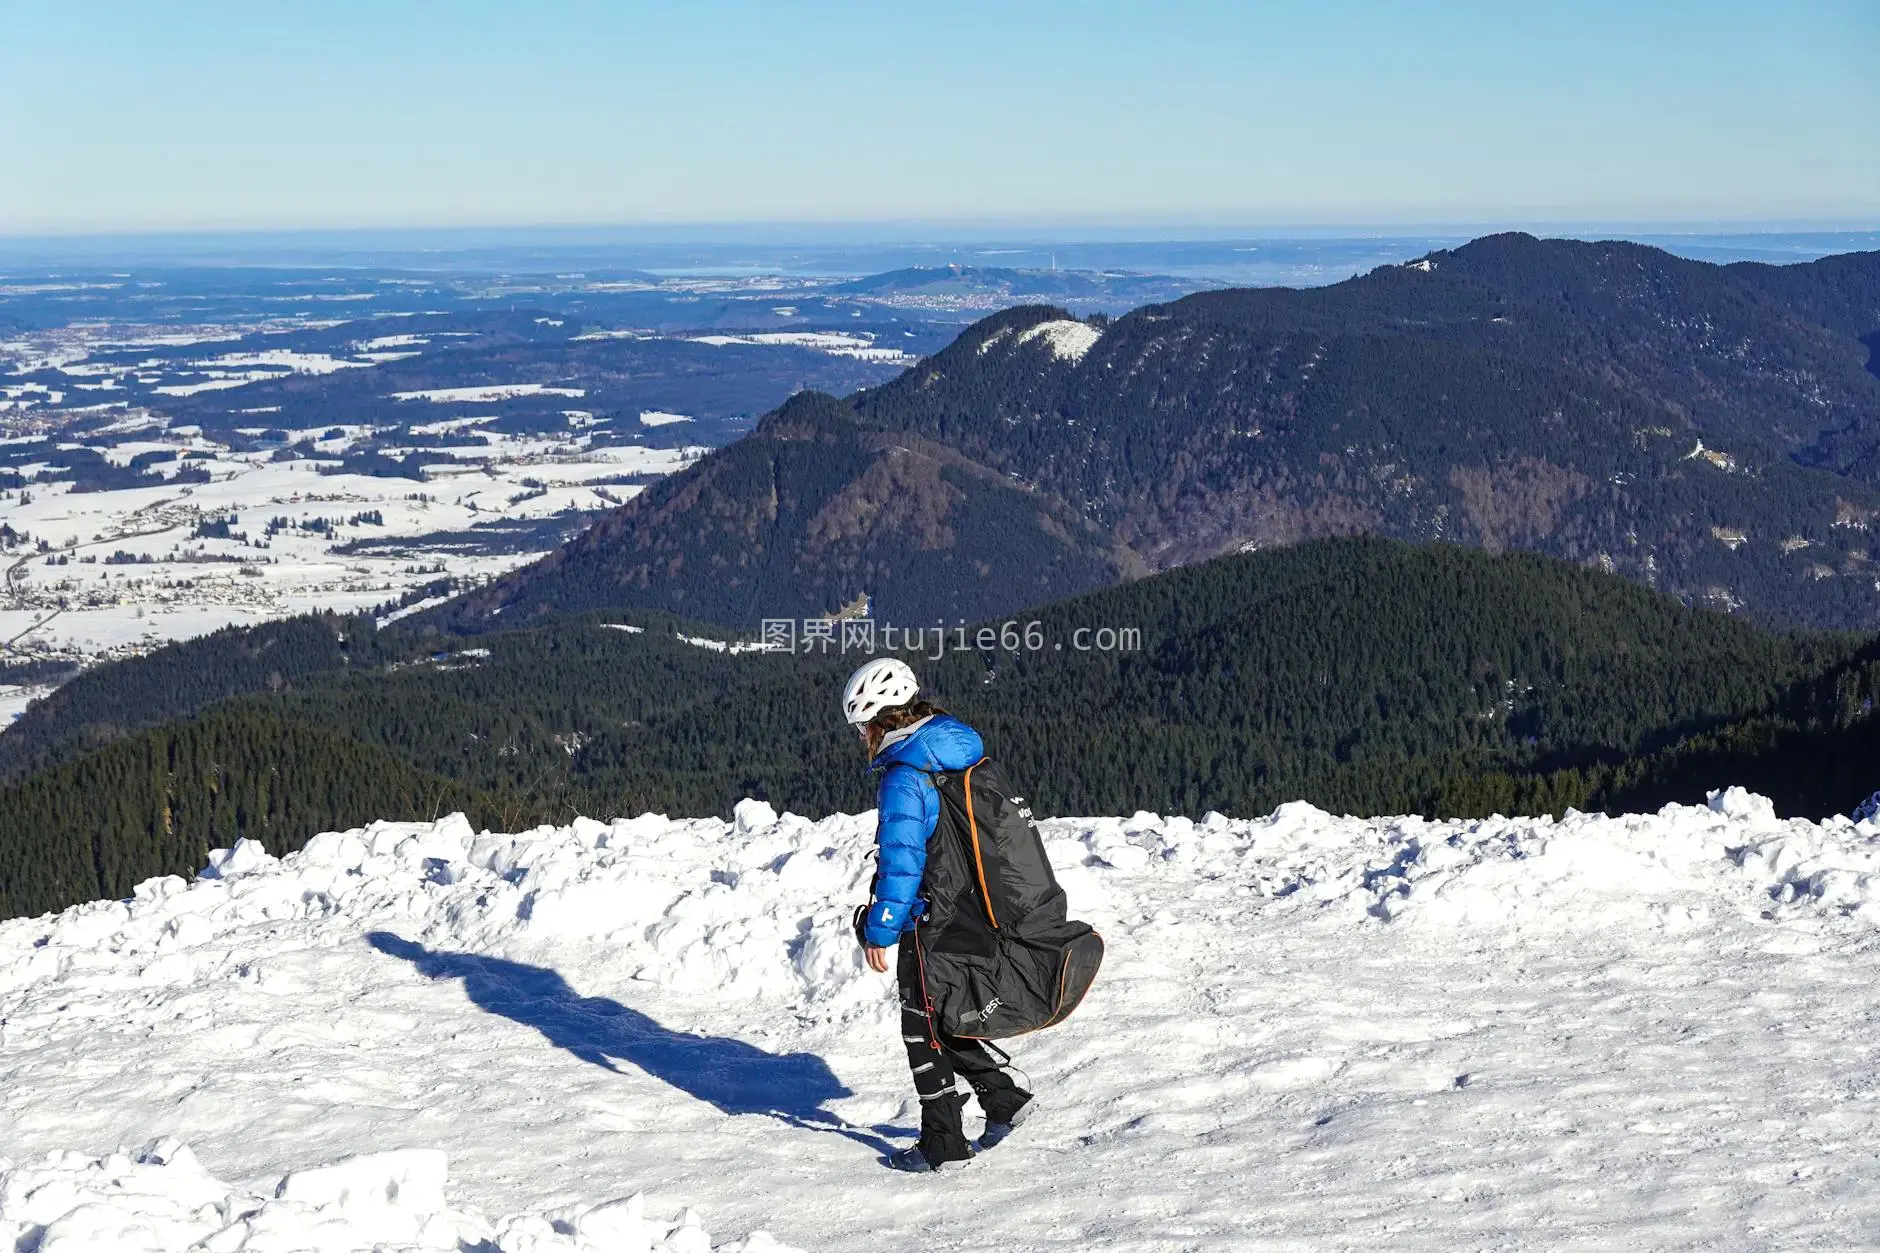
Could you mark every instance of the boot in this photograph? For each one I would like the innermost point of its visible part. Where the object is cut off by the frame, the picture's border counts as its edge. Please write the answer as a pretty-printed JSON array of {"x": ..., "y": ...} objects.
[{"x": 999, "y": 1128}]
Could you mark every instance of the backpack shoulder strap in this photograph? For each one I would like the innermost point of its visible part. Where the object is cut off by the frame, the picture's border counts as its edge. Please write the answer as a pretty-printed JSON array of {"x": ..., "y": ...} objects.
[{"x": 970, "y": 836}]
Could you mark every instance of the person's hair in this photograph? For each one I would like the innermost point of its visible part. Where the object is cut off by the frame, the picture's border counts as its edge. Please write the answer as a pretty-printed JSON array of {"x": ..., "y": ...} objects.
[{"x": 898, "y": 716}]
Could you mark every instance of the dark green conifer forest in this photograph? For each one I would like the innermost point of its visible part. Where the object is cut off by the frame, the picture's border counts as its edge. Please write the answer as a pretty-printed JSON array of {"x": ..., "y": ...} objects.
[{"x": 1365, "y": 676}]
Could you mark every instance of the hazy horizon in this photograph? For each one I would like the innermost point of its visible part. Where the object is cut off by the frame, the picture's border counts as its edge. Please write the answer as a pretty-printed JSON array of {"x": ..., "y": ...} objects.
[
  {"x": 1275, "y": 257},
  {"x": 988, "y": 230}
]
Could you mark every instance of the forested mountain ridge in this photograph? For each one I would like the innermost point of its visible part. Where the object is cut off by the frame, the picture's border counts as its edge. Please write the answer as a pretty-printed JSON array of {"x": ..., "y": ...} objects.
[
  {"x": 802, "y": 515},
  {"x": 1600, "y": 402},
  {"x": 1711, "y": 431},
  {"x": 108, "y": 702},
  {"x": 1363, "y": 675}
]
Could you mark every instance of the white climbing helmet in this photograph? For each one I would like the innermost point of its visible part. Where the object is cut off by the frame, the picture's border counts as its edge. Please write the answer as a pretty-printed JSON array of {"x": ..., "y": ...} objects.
[{"x": 880, "y": 684}]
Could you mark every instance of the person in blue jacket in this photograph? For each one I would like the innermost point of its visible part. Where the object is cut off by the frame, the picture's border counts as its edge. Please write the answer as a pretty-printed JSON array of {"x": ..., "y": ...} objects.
[{"x": 907, "y": 739}]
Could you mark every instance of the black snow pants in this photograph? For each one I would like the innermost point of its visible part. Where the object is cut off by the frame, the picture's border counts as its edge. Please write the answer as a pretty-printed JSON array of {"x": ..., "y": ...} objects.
[{"x": 937, "y": 1058}]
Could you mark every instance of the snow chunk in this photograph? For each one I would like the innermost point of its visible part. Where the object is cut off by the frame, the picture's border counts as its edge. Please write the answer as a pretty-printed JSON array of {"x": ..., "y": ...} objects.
[
  {"x": 411, "y": 1178},
  {"x": 616, "y": 1224},
  {"x": 1745, "y": 806},
  {"x": 753, "y": 815},
  {"x": 163, "y": 1201},
  {"x": 247, "y": 856}
]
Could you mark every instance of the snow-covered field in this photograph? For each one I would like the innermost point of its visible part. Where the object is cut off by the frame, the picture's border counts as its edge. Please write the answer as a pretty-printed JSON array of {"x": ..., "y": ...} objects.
[
  {"x": 481, "y": 395},
  {"x": 1640, "y": 1032},
  {"x": 127, "y": 569},
  {"x": 860, "y": 345},
  {"x": 14, "y": 698}
]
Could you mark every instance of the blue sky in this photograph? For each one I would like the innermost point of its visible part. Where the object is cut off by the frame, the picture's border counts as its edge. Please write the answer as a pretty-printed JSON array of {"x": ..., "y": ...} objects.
[{"x": 195, "y": 115}]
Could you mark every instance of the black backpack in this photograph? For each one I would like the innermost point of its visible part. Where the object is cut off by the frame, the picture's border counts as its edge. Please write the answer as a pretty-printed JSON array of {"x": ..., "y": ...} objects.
[{"x": 999, "y": 955}]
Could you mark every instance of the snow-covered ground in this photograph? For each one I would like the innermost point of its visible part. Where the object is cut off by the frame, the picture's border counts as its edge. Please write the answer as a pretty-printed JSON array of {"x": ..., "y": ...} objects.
[
  {"x": 94, "y": 595},
  {"x": 860, "y": 344},
  {"x": 14, "y": 698},
  {"x": 1639, "y": 1032},
  {"x": 480, "y": 395},
  {"x": 127, "y": 569},
  {"x": 1068, "y": 340}
]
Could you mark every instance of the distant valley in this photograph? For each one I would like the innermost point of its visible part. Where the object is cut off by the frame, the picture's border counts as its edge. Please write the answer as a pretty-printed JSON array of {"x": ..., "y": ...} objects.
[
  {"x": 482, "y": 452},
  {"x": 186, "y": 448},
  {"x": 1228, "y": 475}
]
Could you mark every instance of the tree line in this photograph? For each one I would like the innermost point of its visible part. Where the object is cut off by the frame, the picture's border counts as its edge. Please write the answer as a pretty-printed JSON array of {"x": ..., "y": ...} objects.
[{"x": 1365, "y": 676}]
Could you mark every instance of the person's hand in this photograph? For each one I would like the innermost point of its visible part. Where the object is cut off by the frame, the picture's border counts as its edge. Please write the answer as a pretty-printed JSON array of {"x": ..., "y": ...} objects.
[{"x": 877, "y": 958}]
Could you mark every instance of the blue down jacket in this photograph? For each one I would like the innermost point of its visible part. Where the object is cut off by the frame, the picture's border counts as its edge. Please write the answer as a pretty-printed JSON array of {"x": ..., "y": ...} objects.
[{"x": 908, "y": 809}]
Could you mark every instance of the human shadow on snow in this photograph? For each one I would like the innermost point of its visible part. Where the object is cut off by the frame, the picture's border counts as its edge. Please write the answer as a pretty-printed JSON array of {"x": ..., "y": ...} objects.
[{"x": 736, "y": 1077}]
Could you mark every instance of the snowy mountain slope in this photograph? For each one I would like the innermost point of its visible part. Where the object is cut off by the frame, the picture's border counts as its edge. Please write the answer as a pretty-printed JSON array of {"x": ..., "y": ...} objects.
[{"x": 1639, "y": 1032}]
